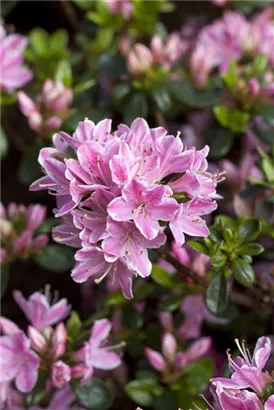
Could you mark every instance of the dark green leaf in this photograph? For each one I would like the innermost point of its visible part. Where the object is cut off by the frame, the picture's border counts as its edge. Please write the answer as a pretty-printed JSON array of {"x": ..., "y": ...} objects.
[
  {"x": 197, "y": 376},
  {"x": 249, "y": 229},
  {"x": 218, "y": 260},
  {"x": 252, "y": 249},
  {"x": 136, "y": 106},
  {"x": 56, "y": 258},
  {"x": 83, "y": 87},
  {"x": 47, "y": 225},
  {"x": 221, "y": 141},
  {"x": 185, "y": 93},
  {"x": 119, "y": 92},
  {"x": 94, "y": 395},
  {"x": 265, "y": 135},
  {"x": 216, "y": 294},
  {"x": 162, "y": 98},
  {"x": 243, "y": 272},
  {"x": 132, "y": 319},
  {"x": 3, "y": 143},
  {"x": 4, "y": 273},
  {"x": 29, "y": 168}
]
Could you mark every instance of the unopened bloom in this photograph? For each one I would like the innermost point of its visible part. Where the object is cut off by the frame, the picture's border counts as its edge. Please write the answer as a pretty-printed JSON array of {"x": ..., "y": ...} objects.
[
  {"x": 124, "y": 7},
  {"x": 39, "y": 311},
  {"x": 18, "y": 231},
  {"x": 18, "y": 361},
  {"x": 50, "y": 107},
  {"x": 50, "y": 340},
  {"x": 95, "y": 354},
  {"x": 13, "y": 75},
  {"x": 60, "y": 374},
  {"x": 117, "y": 194}
]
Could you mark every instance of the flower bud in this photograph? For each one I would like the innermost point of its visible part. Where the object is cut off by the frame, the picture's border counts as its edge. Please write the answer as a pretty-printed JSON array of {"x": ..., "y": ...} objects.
[
  {"x": 38, "y": 342},
  {"x": 60, "y": 374}
]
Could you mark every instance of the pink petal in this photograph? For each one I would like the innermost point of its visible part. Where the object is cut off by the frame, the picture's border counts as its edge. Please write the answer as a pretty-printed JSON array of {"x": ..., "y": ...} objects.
[{"x": 100, "y": 331}]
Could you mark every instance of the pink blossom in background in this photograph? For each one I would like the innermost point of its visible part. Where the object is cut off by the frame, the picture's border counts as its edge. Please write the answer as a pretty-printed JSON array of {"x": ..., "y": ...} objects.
[
  {"x": 141, "y": 58},
  {"x": 124, "y": 7},
  {"x": 50, "y": 108},
  {"x": 13, "y": 74},
  {"x": 95, "y": 354},
  {"x": 39, "y": 311},
  {"x": 171, "y": 360},
  {"x": 18, "y": 226},
  {"x": 60, "y": 374},
  {"x": 117, "y": 187},
  {"x": 18, "y": 361}
]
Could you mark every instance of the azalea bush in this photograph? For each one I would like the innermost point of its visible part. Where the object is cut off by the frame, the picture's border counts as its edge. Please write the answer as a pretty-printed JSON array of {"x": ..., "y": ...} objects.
[{"x": 137, "y": 218}]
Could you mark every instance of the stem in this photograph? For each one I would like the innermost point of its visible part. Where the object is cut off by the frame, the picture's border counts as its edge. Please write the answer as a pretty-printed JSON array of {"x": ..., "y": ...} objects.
[{"x": 70, "y": 13}]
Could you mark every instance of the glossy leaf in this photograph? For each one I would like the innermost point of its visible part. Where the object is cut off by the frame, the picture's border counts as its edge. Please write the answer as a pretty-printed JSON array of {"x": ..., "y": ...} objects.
[{"x": 216, "y": 294}]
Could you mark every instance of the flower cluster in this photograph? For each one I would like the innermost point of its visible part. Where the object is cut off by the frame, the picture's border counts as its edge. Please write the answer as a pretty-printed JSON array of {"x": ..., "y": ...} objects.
[
  {"x": 47, "y": 349},
  {"x": 50, "y": 108},
  {"x": 231, "y": 38},
  {"x": 18, "y": 231},
  {"x": 141, "y": 58},
  {"x": 120, "y": 191},
  {"x": 250, "y": 386},
  {"x": 13, "y": 75}
]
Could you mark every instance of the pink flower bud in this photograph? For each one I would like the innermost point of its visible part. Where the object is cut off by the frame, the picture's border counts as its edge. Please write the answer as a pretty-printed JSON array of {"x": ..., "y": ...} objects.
[
  {"x": 30, "y": 110},
  {"x": 78, "y": 371},
  {"x": 253, "y": 87},
  {"x": 55, "y": 96},
  {"x": 59, "y": 340},
  {"x": 198, "y": 349},
  {"x": 166, "y": 321},
  {"x": 40, "y": 241},
  {"x": 169, "y": 347},
  {"x": 155, "y": 359},
  {"x": 22, "y": 243},
  {"x": 37, "y": 340},
  {"x": 60, "y": 374},
  {"x": 3, "y": 255},
  {"x": 139, "y": 59},
  {"x": 53, "y": 123}
]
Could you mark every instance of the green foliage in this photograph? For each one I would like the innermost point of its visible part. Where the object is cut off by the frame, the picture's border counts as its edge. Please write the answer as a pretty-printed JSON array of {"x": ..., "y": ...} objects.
[
  {"x": 73, "y": 326},
  {"x": 46, "y": 52},
  {"x": 184, "y": 92},
  {"x": 234, "y": 120},
  {"x": 4, "y": 275},
  {"x": 143, "y": 392},
  {"x": 94, "y": 395},
  {"x": 3, "y": 143},
  {"x": 220, "y": 140},
  {"x": 56, "y": 258},
  {"x": 163, "y": 278},
  {"x": 230, "y": 246}
]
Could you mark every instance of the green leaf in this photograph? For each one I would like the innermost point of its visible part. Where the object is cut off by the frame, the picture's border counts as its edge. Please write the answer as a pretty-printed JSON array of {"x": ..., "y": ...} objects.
[
  {"x": 162, "y": 98},
  {"x": 221, "y": 141},
  {"x": 136, "y": 106},
  {"x": 63, "y": 73},
  {"x": 172, "y": 303},
  {"x": 259, "y": 65},
  {"x": 56, "y": 258},
  {"x": 249, "y": 229},
  {"x": 4, "y": 273},
  {"x": 243, "y": 272},
  {"x": 112, "y": 65},
  {"x": 218, "y": 260},
  {"x": 265, "y": 135},
  {"x": 119, "y": 92},
  {"x": 265, "y": 110},
  {"x": 198, "y": 246},
  {"x": 252, "y": 249},
  {"x": 39, "y": 40},
  {"x": 197, "y": 376},
  {"x": 132, "y": 319},
  {"x": 73, "y": 326},
  {"x": 47, "y": 225},
  {"x": 216, "y": 294},
  {"x": 163, "y": 278},
  {"x": 142, "y": 391},
  {"x": 83, "y": 87},
  {"x": 230, "y": 78},
  {"x": 3, "y": 143},
  {"x": 234, "y": 120},
  {"x": 184, "y": 92},
  {"x": 29, "y": 168},
  {"x": 59, "y": 40},
  {"x": 84, "y": 4},
  {"x": 94, "y": 395}
]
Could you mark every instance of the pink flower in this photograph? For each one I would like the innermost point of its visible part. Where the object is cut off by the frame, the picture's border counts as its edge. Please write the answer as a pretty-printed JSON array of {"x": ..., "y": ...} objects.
[
  {"x": 231, "y": 399},
  {"x": 39, "y": 311},
  {"x": 120, "y": 6},
  {"x": 13, "y": 74},
  {"x": 18, "y": 362},
  {"x": 60, "y": 374},
  {"x": 51, "y": 340},
  {"x": 125, "y": 241},
  {"x": 62, "y": 399},
  {"x": 50, "y": 107},
  {"x": 95, "y": 354},
  {"x": 92, "y": 262},
  {"x": 18, "y": 229},
  {"x": 144, "y": 204},
  {"x": 139, "y": 59}
]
